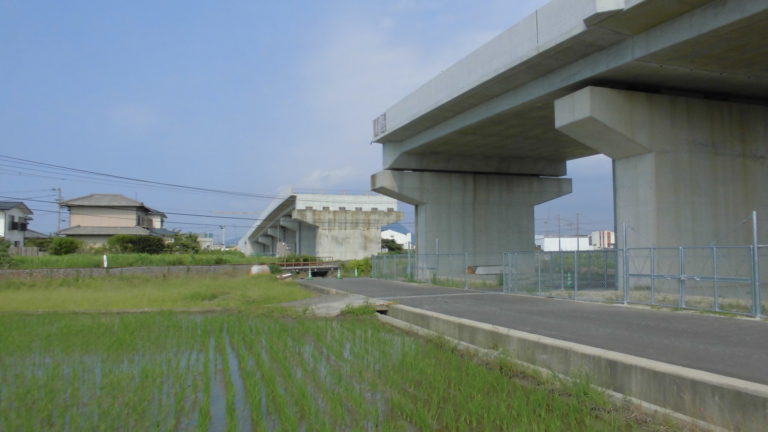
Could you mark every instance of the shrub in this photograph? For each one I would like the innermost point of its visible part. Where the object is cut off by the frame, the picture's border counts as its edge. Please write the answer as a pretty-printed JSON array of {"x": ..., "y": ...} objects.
[
  {"x": 363, "y": 266},
  {"x": 64, "y": 246},
  {"x": 391, "y": 245},
  {"x": 5, "y": 257},
  {"x": 298, "y": 258},
  {"x": 41, "y": 243},
  {"x": 130, "y": 243},
  {"x": 184, "y": 243}
]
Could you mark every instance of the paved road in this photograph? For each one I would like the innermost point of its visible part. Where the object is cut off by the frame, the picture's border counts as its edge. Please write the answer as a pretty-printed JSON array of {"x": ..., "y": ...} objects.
[{"x": 728, "y": 346}]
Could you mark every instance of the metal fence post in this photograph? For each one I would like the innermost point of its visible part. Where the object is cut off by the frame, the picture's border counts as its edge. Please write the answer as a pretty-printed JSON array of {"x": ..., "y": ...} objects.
[
  {"x": 575, "y": 271},
  {"x": 538, "y": 268},
  {"x": 466, "y": 273},
  {"x": 681, "y": 294},
  {"x": 716, "y": 300},
  {"x": 396, "y": 261},
  {"x": 653, "y": 275},
  {"x": 408, "y": 267},
  {"x": 625, "y": 270},
  {"x": 562, "y": 270},
  {"x": 756, "y": 306}
]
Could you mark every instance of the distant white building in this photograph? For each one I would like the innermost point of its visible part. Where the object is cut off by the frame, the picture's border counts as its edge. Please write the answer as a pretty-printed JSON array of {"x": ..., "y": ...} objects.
[
  {"x": 603, "y": 239},
  {"x": 14, "y": 219},
  {"x": 205, "y": 241},
  {"x": 399, "y": 234},
  {"x": 595, "y": 241},
  {"x": 566, "y": 243}
]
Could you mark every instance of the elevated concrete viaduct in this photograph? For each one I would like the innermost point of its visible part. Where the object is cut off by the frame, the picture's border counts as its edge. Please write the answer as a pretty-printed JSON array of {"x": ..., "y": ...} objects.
[
  {"x": 341, "y": 227},
  {"x": 675, "y": 92}
]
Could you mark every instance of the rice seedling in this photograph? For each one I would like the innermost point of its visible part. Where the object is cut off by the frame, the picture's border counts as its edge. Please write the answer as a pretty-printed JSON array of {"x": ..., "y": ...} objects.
[
  {"x": 141, "y": 292},
  {"x": 254, "y": 371}
]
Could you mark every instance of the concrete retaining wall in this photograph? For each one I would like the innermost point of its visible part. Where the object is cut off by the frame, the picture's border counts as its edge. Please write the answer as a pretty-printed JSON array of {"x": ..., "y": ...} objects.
[
  {"x": 715, "y": 399},
  {"x": 96, "y": 272}
]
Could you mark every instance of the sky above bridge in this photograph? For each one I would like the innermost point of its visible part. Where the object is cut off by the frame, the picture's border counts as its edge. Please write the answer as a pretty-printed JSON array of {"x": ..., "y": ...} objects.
[{"x": 248, "y": 96}]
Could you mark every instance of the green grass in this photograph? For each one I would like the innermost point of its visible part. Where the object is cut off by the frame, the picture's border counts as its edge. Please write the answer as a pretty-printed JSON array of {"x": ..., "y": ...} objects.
[
  {"x": 238, "y": 371},
  {"x": 133, "y": 260},
  {"x": 140, "y": 292}
]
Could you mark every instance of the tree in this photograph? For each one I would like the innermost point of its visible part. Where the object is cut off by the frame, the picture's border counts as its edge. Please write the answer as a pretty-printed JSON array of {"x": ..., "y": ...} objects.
[
  {"x": 131, "y": 243},
  {"x": 64, "y": 246},
  {"x": 391, "y": 245},
  {"x": 184, "y": 243}
]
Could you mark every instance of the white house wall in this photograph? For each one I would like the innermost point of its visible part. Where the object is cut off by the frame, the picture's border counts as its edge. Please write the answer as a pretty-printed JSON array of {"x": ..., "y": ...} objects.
[{"x": 10, "y": 235}]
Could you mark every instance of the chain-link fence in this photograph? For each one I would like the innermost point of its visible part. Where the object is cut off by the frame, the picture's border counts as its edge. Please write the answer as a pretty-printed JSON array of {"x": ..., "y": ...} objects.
[
  {"x": 481, "y": 271},
  {"x": 582, "y": 275},
  {"x": 730, "y": 279}
]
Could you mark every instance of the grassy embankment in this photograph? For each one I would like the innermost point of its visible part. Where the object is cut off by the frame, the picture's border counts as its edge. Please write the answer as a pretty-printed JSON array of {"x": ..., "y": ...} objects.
[
  {"x": 141, "y": 292},
  {"x": 133, "y": 260}
]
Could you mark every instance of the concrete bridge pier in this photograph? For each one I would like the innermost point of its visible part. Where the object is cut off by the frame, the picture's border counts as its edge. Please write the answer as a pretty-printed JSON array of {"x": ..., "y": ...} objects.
[
  {"x": 470, "y": 212},
  {"x": 687, "y": 171}
]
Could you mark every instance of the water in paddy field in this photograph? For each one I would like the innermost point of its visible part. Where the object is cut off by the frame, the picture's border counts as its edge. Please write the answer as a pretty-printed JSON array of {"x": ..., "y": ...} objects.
[{"x": 163, "y": 371}]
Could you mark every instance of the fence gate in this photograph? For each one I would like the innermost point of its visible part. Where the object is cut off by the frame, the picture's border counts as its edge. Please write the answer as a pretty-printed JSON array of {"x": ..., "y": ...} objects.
[{"x": 717, "y": 278}]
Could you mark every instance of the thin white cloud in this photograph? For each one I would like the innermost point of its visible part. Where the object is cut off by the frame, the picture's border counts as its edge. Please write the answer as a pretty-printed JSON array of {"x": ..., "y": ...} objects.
[
  {"x": 329, "y": 178},
  {"x": 356, "y": 74},
  {"x": 133, "y": 116}
]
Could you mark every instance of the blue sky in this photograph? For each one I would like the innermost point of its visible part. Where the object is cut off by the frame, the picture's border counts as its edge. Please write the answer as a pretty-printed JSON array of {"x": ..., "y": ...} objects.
[{"x": 251, "y": 96}]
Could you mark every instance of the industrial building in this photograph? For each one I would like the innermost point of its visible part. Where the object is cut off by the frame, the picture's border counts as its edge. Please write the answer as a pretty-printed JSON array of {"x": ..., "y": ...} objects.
[{"x": 341, "y": 227}]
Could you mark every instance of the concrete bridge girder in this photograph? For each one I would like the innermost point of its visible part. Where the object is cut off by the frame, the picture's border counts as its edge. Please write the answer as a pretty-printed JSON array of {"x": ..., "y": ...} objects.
[
  {"x": 435, "y": 161},
  {"x": 290, "y": 224},
  {"x": 265, "y": 240},
  {"x": 469, "y": 212},
  {"x": 687, "y": 171}
]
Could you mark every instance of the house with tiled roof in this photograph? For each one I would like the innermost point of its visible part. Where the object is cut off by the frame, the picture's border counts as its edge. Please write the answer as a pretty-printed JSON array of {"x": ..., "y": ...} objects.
[{"x": 97, "y": 217}]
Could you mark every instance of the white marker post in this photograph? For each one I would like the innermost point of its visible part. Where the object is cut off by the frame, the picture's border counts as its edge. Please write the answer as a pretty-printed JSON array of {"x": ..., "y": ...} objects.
[{"x": 104, "y": 260}]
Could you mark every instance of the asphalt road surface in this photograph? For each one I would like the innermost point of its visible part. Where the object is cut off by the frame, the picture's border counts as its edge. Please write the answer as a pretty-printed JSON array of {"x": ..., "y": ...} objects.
[{"x": 728, "y": 346}]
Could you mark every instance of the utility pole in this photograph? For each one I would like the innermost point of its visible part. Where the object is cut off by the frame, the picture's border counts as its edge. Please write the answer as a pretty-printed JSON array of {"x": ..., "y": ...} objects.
[
  {"x": 559, "y": 237},
  {"x": 58, "y": 212},
  {"x": 577, "y": 232}
]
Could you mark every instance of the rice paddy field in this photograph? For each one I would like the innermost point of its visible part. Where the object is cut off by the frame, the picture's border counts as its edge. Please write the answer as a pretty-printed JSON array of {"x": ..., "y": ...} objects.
[
  {"x": 146, "y": 293},
  {"x": 257, "y": 368}
]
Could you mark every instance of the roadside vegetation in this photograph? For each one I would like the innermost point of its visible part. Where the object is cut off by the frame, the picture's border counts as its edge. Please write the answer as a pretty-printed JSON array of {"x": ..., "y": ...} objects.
[
  {"x": 94, "y": 260},
  {"x": 145, "y": 292}
]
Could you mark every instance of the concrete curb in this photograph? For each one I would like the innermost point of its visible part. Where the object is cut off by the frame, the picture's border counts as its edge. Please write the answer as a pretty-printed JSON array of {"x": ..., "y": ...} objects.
[
  {"x": 705, "y": 397},
  {"x": 319, "y": 289}
]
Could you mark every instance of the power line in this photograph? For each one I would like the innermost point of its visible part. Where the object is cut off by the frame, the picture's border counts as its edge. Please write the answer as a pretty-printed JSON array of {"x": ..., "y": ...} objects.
[
  {"x": 134, "y": 179},
  {"x": 347, "y": 224},
  {"x": 130, "y": 218},
  {"x": 119, "y": 208},
  {"x": 111, "y": 179}
]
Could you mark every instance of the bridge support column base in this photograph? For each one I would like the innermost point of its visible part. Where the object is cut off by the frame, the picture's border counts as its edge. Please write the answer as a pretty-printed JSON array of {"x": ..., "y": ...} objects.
[{"x": 465, "y": 212}]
